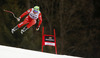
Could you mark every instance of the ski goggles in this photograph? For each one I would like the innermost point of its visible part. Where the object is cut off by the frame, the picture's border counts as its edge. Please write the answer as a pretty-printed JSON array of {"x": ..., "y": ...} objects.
[{"x": 35, "y": 11}]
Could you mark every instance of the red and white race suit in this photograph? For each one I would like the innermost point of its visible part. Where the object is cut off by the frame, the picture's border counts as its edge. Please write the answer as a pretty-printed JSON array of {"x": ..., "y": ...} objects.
[{"x": 31, "y": 18}]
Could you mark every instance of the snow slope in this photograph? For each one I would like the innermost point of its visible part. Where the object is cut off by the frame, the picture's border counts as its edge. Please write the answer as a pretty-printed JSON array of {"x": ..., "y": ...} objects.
[{"x": 11, "y": 52}]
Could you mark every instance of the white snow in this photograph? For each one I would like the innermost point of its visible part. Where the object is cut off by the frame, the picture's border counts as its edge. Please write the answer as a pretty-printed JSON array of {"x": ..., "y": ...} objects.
[{"x": 11, "y": 52}]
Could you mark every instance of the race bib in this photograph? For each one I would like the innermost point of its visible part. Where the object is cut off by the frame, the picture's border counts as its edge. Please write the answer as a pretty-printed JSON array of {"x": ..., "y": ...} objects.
[{"x": 33, "y": 16}]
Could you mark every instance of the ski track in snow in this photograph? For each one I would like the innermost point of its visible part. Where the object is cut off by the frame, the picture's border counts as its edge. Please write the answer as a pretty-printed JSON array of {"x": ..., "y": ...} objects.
[{"x": 11, "y": 52}]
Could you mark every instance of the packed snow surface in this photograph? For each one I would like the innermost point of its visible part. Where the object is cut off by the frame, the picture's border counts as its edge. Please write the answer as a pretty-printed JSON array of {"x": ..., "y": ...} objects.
[{"x": 11, "y": 52}]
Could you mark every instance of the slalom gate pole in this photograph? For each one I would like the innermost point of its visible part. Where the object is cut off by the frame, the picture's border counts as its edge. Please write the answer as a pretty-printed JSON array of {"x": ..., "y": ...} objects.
[{"x": 49, "y": 40}]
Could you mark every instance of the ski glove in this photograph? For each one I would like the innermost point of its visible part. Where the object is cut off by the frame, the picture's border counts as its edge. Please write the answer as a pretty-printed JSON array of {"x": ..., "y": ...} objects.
[
  {"x": 18, "y": 19},
  {"x": 37, "y": 29}
]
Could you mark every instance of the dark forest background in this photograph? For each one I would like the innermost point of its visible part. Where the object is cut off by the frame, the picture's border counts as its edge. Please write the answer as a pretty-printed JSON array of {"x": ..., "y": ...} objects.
[{"x": 77, "y": 24}]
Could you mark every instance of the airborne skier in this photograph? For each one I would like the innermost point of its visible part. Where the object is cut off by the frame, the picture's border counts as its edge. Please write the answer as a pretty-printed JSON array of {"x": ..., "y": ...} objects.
[{"x": 34, "y": 14}]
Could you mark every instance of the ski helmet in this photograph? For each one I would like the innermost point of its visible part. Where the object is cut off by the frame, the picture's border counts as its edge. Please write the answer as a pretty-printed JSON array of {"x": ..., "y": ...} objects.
[{"x": 36, "y": 8}]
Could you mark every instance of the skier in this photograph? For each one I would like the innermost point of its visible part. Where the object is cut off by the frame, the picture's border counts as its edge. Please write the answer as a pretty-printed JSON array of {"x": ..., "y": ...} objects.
[{"x": 33, "y": 15}]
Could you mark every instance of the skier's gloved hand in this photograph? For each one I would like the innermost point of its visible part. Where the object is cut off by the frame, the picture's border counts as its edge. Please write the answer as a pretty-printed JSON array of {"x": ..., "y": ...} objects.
[
  {"x": 18, "y": 19},
  {"x": 37, "y": 29}
]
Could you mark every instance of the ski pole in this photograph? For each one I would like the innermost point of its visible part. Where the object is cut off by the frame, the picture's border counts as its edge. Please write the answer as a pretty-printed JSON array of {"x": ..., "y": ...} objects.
[{"x": 11, "y": 13}]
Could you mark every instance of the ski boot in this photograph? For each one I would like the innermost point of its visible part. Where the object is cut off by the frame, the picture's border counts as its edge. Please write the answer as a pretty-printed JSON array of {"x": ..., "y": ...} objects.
[
  {"x": 24, "y": 29},
  {"x": 14, "y": 29}
]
